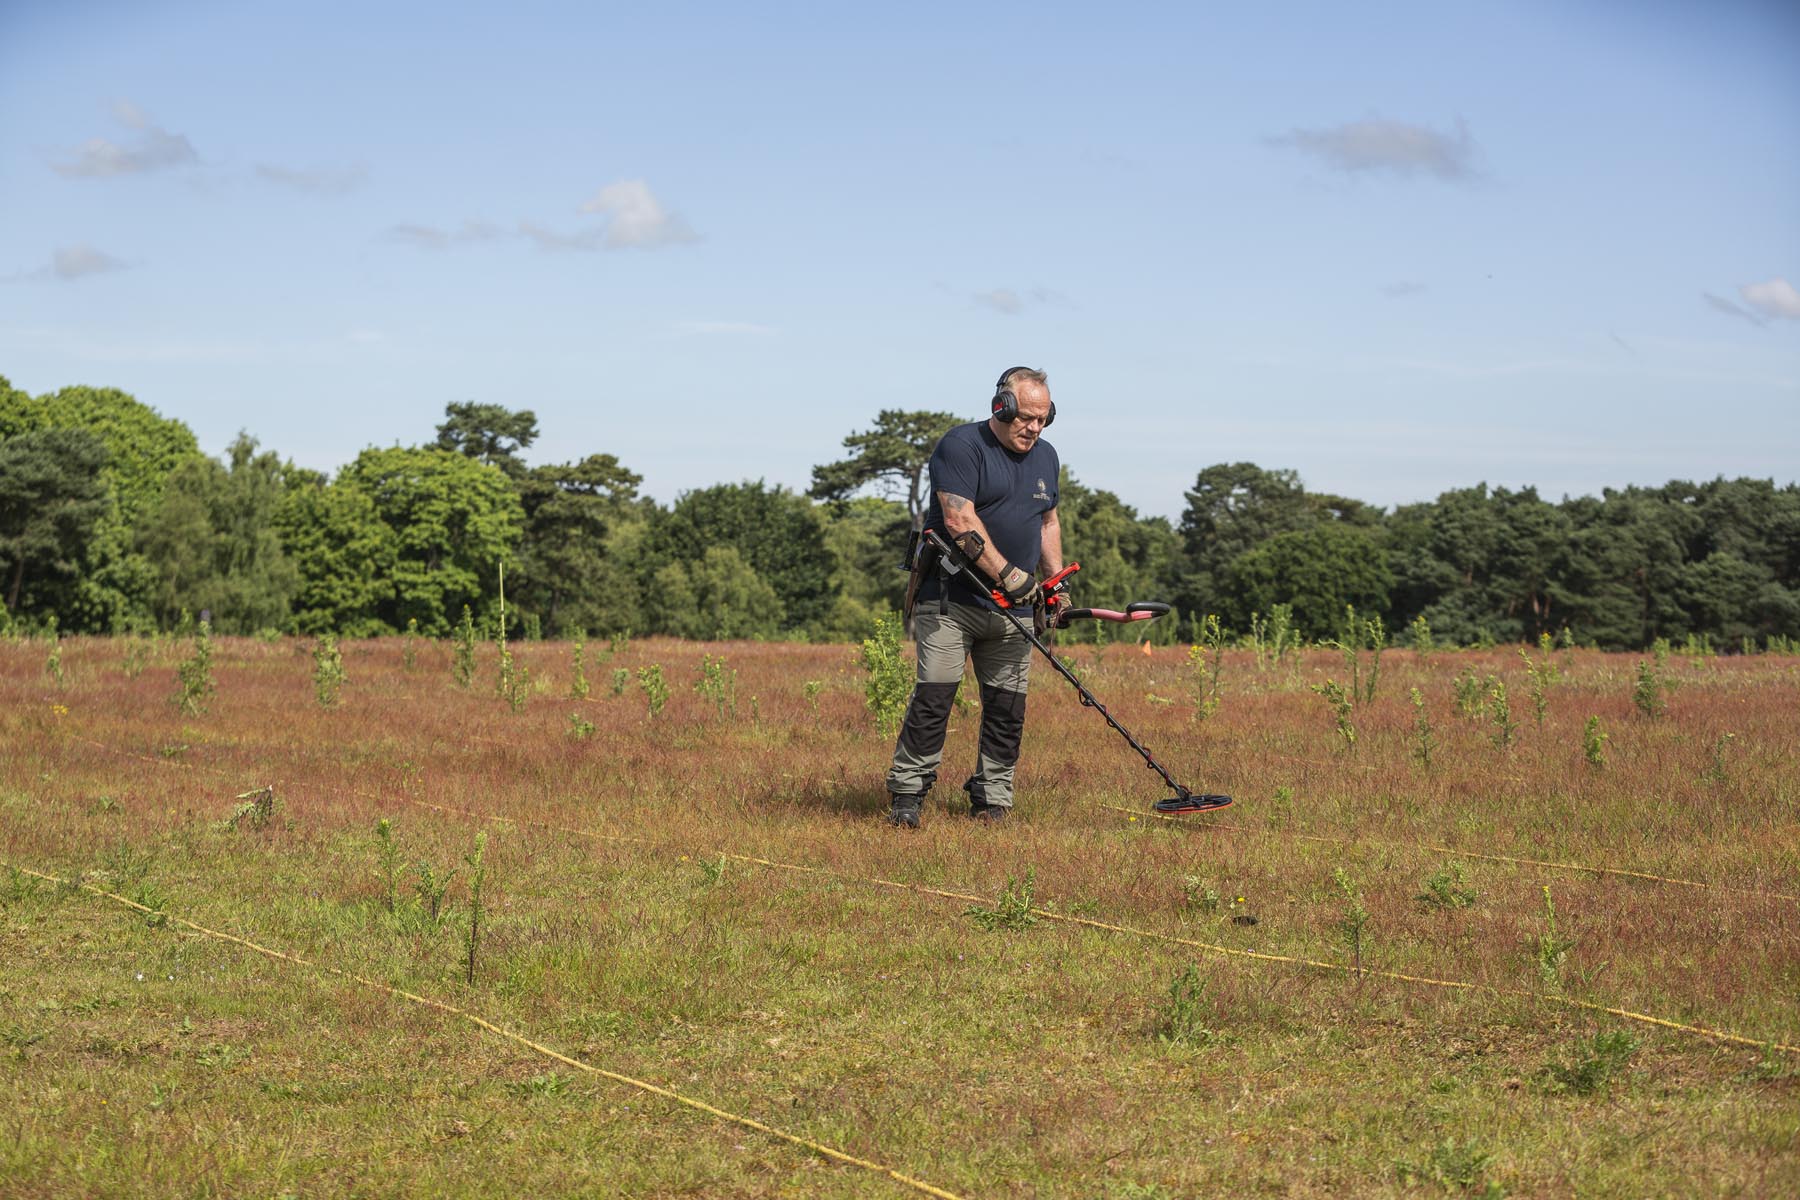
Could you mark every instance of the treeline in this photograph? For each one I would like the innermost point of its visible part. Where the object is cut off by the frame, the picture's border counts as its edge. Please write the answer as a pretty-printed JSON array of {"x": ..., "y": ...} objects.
[{"x": 112, "y": 520}]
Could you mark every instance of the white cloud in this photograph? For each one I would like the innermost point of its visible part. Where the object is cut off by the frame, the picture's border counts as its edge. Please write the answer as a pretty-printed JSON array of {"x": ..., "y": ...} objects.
[
  {"x": 1011, "y": 302},
  {"x": 552, "y": 241},
  {"x": 428, "y": 237},
  {"x": 151, "y": 149},
  {"x": 325, "y": 181},
  {"x": 1001, "y": 300},
  {"x": 636, "y": 218},
  {"x": 73, "y": 262},
  {"x": 1773, "y": 298},
  {"x": 1393, "y": 146}
]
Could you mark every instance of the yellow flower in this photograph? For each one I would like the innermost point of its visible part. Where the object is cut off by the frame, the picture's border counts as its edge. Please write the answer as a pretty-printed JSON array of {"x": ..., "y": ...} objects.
[{"x": 59, "y": 710}]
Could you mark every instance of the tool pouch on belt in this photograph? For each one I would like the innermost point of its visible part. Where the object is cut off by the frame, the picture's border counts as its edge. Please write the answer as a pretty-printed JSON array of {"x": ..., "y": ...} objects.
[{"x": 922, "y": 562}]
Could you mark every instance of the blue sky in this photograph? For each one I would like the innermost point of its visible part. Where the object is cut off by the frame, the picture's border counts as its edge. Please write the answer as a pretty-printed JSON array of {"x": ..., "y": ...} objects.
[{"x": 1398, "y": 248}]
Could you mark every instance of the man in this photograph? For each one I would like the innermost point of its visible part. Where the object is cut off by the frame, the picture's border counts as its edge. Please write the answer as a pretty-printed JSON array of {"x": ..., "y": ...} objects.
[{"x": 993, "y": 489}]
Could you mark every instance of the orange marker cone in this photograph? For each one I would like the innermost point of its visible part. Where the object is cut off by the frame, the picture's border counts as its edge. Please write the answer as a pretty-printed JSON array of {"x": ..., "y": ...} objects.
[{"x": 1146, "y": 648}]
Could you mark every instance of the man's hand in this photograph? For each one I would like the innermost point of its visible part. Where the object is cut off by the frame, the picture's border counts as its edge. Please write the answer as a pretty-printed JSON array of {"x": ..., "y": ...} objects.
[{"x": 1020, "y": 587}]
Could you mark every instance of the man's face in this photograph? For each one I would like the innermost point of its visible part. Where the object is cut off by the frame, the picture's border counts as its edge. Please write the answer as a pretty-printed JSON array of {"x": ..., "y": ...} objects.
[{"x": 1034, "y": 407}]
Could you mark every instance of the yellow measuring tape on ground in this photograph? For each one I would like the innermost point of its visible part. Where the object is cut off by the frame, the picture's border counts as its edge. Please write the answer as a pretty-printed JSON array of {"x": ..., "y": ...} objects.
[
  {"x": 804, "y": 1143},
  {"x": 1173, "y": 939},
  {"x": 1581, "y": 868}
]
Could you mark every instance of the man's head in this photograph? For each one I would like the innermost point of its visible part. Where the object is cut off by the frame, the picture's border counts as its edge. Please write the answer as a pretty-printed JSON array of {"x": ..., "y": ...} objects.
[{"x": 1031, "y": 396}]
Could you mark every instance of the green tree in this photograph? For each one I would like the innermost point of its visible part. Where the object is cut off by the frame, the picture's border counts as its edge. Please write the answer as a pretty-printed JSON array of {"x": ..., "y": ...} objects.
[
  {"x": 213, "y": 540},
  {"x": 1235, "y": 507},
  {"x": 865, "y": 537},
  {"x": 572, "y": 569},
  {"x": 717, "y": 597},
  {"x": 1478, "y": 561},
  {"x": 51, "y": 498},
  {"x": 893, "y": 455},
  {"x": 1317, "y": 570},
  {"x": 488, "y": 433},
  {"x": 344, "y": 554},
  {"x": 776, "y": 532},
  {"x": 1621, "y": 583},
  {"x": 111, "y": 588},
  {"x": 453, "y": 521}
]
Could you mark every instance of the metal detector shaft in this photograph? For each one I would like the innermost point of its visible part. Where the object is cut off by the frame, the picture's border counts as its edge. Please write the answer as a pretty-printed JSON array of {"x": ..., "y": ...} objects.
[
  {"x": 953, "y": 563},
  {"x": 1088, "y": 698}
]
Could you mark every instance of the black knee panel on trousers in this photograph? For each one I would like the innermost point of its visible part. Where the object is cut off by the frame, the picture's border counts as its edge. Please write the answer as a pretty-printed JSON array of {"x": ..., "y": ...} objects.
[
  {"x": 1002, "y": 724},
  {"x": 927, "y": 718}
]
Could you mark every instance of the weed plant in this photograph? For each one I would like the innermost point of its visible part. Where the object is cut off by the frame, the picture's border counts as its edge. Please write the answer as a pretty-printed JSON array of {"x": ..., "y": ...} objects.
[
  {"x": 718, "y": 686},
  {"x": 1185, "y": 1019},
  {"x": 656, "y": 689},
  {"x": 1592, "y": 1066},
  {"x": 1500, "y": 709},
  {"x": 1715, "y": 769},
  {"x": 387, "y": 864},
  {"x": 328, "y": 671},
  {"x": 621, "y": 679},
  {"x": 1342, "y": 707},
  {"x": 580, "y": 726},
  {"x": 1424, "y": 741},
  {"x": 578, "y": 683},
  {"x": 1550, "y": 948},
  {"x": 1468, "y": 693},
  {"x": 409, "y": 644},
  {"x": 1198, "y": 896},
  {"x": 888, "y": 685},
  {"x": 1448, "y": 887},
  {"x": 1206, "y": 659},
  {"x": 477, "y": 904},
  {"x": 1419, "y": 636},
  {"x": 194, "y": 679},
  {"x": 137, "y": 656},
  {"x": 1355, "y": 916},
  {"x": 1539, "y": 676},
  {"x": 462, "y": 657},
  {"x": 1013, "y": 909},
  {"x": 1647, "y": 696},
  {"x": 255, "y": 810},
  {"x": 1456, "y": 1166},
  {"x": 1282, "y": 639},
  {"x": 1593, "y": 743},
  {"x": 429, "y": 886}
]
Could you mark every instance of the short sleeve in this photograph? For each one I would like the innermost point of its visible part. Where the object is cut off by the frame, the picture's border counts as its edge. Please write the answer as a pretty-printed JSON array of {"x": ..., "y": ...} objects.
[{"x": 956, "y": 466}]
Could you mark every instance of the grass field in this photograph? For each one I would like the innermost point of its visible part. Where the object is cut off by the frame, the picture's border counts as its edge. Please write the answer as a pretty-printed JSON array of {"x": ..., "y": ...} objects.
[{"x": 1132, "y": 1027}]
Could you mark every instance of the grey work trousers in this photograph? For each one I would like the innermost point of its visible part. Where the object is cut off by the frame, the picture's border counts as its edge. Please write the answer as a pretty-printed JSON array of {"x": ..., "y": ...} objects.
[{"x": 947, "y": 633}]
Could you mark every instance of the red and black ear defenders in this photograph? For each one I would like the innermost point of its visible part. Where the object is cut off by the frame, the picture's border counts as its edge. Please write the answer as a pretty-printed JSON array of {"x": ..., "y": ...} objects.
[{"x": 1005, "y": 406}]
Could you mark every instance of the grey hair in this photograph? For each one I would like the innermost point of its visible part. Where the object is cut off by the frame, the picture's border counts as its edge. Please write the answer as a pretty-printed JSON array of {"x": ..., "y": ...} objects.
[{"x": 1025, "y": 375}]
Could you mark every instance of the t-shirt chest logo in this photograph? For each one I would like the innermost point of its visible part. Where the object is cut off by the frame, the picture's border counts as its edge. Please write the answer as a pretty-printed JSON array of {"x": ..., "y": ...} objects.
[{"x": 1043, "y": 492}]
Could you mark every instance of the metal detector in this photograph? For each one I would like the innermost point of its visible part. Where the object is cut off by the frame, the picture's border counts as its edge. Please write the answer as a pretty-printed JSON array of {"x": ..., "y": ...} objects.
[{"x": 1055, "y": 591}]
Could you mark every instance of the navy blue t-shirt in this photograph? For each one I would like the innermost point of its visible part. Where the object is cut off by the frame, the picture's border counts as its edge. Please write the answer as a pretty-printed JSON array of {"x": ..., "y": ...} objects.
[{"x": 1012, "y": 492}]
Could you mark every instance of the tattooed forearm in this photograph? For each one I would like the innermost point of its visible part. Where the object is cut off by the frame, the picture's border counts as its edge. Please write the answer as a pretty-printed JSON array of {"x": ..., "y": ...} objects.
[{"x": 953, "y": 503}]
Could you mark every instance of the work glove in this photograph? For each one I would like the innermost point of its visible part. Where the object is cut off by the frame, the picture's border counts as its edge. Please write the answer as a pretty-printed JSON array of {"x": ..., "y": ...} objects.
[{"x": 1020, "y": 587}]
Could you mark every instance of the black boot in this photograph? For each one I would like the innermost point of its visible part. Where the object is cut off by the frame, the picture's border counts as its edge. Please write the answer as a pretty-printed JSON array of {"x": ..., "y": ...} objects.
[{"x": 903, "y": 811}]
